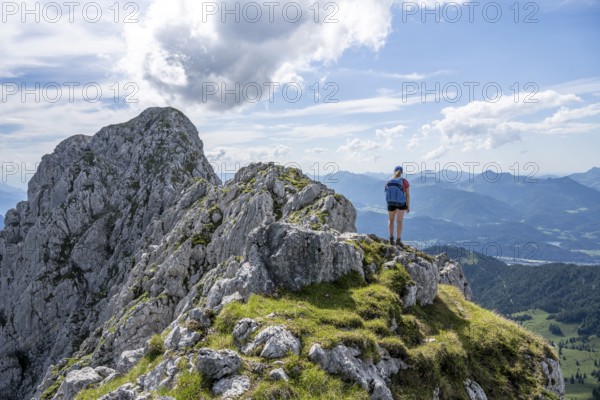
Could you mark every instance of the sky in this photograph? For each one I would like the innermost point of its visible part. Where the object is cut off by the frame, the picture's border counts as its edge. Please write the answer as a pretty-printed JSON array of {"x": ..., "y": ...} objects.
[{"x": 354, "y": 85}]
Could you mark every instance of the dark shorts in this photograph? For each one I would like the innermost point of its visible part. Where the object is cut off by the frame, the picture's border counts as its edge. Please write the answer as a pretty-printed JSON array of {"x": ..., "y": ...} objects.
[{"x": 394, "y": 207}]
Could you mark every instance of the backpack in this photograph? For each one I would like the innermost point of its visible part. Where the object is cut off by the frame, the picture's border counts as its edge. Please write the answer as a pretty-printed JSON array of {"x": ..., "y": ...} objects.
[{"x": 394, "y": 192}]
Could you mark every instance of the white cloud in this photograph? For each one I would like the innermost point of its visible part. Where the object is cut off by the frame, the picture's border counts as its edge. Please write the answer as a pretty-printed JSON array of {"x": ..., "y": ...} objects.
[
  {"x": 244, "y": 155},
  {"x": 435, "y": 153},
  {"x": 413, "y": 144},
  {"x": 44, "y": 40},
  {"x": 486, "y": 125},
  {"x": 181, "y": 41},
  {"x": 389, "y": 134},
  {"x": 357, "y": 149},
  {"x": 565, "y": 114},
  {"x": 357, "y": 145}
]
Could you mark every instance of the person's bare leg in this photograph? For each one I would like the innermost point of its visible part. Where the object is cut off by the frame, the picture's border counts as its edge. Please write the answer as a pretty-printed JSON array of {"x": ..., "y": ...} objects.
[
  {"x": 399, "y": 219},
  {"x": 391, "y": 215}
]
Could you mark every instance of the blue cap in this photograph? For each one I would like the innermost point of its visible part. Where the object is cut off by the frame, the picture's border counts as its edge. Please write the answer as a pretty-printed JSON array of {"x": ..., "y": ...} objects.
[{"x": 398, "y": 168}]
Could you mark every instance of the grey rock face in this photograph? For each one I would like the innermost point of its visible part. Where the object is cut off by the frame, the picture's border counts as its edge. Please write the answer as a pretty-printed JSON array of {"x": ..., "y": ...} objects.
[
  {"x": 243, "y": 329},
  {"x": 162, "y": 376},
  {"x": 125, "y": 392},
  {"x": 345, "y": 362},
  {"x": 474, "y": 391},
  {"x": 278, "y": 374},
  {"x": 128, "y": 359},
  {"x": 181, "y": 338},
  {"x": 67, "y": 249},
  {"x": 553, "y": 373},
  {"x": 281, "y": 255},
  {"x": 451, "y": 273},
  {"x": 287, "y": 251},
  {"x": 425, "y": 275},
  {"x": 428, "y": 274},
  {"x": 410, "y": 298},
  {"x": 104, "y": 371},
  {"x": 230, "y": 388},
  {"x": 75, "y": 381},
  {"x": 273, "y": 342},
  {"x": 119, "y": 229},
  {"x": 215, "y": 365}
]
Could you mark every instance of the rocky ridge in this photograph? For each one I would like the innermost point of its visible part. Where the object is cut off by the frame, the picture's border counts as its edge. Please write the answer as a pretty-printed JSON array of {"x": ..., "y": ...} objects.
[{"x": 123, "y": 272}]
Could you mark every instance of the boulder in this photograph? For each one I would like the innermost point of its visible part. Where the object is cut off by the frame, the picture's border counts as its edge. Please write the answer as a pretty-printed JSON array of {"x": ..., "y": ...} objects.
[
  {"x": 215, "y": 365},
  {"x": 345, "y": 361},
  {"x": 554, "y": 377},
  {"x": 128, "y": 359},
  {"x": 278, "y": 374},
  {"x": 273, "y": 342},
  {"x": 76, "y": 381},
  {"x": 243, "y": 329},
  {"x": 474, "y": 391},
  {"x": 230, "y": 388},
  {"x": 181, "y": 338}
]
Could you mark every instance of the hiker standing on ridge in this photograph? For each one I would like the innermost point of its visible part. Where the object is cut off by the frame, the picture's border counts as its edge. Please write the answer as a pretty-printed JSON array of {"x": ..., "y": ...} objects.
[{"x": 397, "y": 197}]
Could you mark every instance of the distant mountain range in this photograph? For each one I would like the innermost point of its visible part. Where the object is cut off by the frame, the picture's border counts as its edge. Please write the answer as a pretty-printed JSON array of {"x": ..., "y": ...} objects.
[
  {"x": 516, "y": 218},
  {"x": 590, "y": 178}
]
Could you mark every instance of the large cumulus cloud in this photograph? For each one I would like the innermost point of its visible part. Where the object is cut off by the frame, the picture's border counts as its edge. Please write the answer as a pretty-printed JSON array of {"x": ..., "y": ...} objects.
[{"x": 181, "y": 47}]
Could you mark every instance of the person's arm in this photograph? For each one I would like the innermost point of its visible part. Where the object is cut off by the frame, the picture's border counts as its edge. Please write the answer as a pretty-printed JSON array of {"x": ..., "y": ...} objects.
[{"x": 407, "y": 200}]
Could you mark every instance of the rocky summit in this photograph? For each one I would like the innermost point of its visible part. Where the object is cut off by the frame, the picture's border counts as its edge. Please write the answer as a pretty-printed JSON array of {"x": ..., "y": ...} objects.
[{"x": 132, "y": 272}]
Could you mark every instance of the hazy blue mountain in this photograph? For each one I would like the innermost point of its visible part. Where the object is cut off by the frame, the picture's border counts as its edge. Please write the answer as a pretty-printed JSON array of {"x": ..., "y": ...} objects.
[
  {"x": 464, "y": 208},
  {"x": 1, "y": 221},
  {"x": 590, "y": 178},
  {"x": 363, "y": 190},
  {"x": 9, "y": 197},
  {"x": 529, "y": 196},
  {"x": 382, "y": 176}
]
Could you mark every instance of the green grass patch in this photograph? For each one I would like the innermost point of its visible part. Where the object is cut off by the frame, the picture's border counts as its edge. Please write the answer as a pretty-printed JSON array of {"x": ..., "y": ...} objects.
[
  {"x": 156, "y": 347},
  {"x": 465, "y": 341},
  {"x": 145, "y": 365},
  {"x": 296, "y": 178},
  {"x": 189, "y": 386},
  {"x": 396, "y": 279}
]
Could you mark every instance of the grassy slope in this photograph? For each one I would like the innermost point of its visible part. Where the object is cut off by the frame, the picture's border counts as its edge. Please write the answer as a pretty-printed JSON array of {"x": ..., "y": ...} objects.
[
  {"x": 444, "y": 343},
  {"x": 539, "y": 324}
]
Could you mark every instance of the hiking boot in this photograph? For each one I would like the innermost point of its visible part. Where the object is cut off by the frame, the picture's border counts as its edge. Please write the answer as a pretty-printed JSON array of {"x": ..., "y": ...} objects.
[
  {"x": 399, "y": 243},
  {"x": 392, "y": 240}
]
